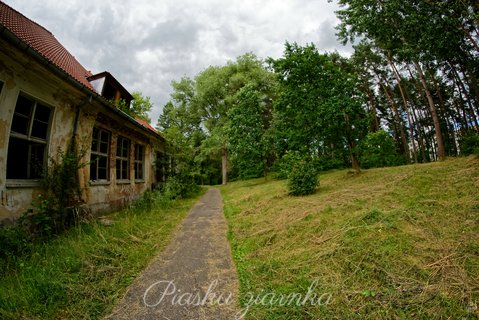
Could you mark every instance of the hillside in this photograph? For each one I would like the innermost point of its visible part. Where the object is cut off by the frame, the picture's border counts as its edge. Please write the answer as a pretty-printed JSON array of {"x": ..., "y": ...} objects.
[{"x": 400, "y": 242}]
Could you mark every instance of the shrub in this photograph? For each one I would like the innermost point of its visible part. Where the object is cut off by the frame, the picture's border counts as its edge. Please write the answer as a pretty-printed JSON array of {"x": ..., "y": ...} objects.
[
  {"x": 378, "y": 150},
  {"x": 286, "y": 163},
  {"x": 181, "y": 185},
  {"x": 15, "y": 241},
  {"x": 469, "y": 143},
  {"x": 55, "y": 209},
  {"x": 303, "y": 178}
]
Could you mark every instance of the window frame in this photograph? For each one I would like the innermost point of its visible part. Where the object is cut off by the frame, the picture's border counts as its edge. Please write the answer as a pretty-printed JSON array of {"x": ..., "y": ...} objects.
[
  {"x": 122, "y": 159},
  {"x": 30, "y": 138},
  {"x": 139, "y": 162},
  {"x": 99, "y": 154}
]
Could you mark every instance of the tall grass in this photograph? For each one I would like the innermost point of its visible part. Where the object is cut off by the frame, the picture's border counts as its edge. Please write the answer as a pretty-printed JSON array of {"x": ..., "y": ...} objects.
[
  {"x": 83, "y": 272},
  {"x": 389, "y": 243}
]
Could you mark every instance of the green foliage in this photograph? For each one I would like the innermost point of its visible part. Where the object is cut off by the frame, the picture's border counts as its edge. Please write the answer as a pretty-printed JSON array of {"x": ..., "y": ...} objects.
[
  {"x": 247, "y": 134},
  {"x": 54, "y": 209},
  {"x": 469, "y": 143},
  {"x": 285, "y": 165},
  {"x": 182, "y": 186},
  {"x": 378, "y": 150},
  {"x": 303, "y": 178},
  {"x": 320, "y": 108},
  {"x": 15, "y": 241},
  {"x": 197, "y": 123},
  {"x": 139, "y": 107}
]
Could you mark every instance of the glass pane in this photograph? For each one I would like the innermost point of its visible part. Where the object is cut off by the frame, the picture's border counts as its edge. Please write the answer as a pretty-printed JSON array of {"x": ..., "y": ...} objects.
[
  {"x": 118, "y": 146},
  {"x": 39, "y": 129},
  {"x": 37, "y": 152},
  {"x": 17, "y": 161},
  {"x": 103, "y": 162},
  {"x": 139, "y": 152},
  {"x": 42, "y": 113},
  {"x": 20, "y": 124},
  {"x": 118, "y": 169},
  {"x": 24, "y": 106},
  {"x": 126, "y": 149},
  {"x": 105, "y": 136},
  {"x": 102, "y": 174},
  {"x": 94, "y": 144},
  {"x": 102, "y": 168},
  {"x": 93, "y": 166},
  {"x": 104, "y": 147}
]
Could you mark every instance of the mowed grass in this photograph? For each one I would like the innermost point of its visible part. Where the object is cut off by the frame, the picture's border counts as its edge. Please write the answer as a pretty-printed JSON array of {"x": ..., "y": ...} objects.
[
  {"x": 83, "y": 273},
  {"x": 390, "y": 243}
]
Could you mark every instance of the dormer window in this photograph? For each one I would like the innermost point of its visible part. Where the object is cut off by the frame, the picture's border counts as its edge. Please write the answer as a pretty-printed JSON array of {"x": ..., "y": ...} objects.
[{"x": 109, "y": 88}]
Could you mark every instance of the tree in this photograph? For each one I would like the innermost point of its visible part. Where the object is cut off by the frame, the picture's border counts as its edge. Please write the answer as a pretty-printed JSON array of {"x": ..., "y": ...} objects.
[
  {"x": 427, "y": 37},
  {"x": 246, "y": 130},
  {"x": 320, "y": 106},
  {"x": 139, "y": 108},
  {"x": 216, "y": 93}
]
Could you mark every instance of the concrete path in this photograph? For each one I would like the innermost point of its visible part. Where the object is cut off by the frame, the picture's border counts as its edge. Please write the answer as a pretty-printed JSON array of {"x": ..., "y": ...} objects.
[{"x": 194, "y": 278}]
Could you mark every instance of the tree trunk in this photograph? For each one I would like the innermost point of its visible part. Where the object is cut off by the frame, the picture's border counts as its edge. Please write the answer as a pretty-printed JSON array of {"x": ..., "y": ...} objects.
[
  {"x": 441, "y": 151},
  {"x": 467, "y": 97},
  {"x": 224, "y": 165},
  {"x": 354, "y": 159},
  {"x": 398, "y": 121},
  {"x": 372, "y": 102},
  {"x": 411, "y": 132}
]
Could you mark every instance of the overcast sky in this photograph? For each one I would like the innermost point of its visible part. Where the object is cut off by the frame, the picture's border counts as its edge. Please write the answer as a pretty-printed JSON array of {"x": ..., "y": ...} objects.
[{"x": 146, "y": 44}]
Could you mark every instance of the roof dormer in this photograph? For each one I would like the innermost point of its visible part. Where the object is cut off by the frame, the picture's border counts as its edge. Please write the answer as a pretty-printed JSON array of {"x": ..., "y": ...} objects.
[{"x": 109, "y": 88}]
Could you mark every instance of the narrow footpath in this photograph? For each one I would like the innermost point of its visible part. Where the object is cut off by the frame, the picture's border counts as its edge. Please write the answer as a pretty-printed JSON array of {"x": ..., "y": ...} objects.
[{"x": 193, "y": 278}]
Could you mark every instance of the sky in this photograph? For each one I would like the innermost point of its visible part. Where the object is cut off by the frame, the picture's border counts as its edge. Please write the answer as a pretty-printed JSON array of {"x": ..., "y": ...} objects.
[{"x": 146, "y": 44}]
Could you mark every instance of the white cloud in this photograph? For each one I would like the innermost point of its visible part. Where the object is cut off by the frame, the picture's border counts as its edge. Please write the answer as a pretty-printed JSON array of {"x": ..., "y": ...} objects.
[{"x": 146, "y": 44}]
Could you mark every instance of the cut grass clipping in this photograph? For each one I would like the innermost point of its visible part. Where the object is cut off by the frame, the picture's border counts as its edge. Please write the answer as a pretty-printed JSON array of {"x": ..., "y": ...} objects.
[
  {"x": 394, "y": 243},
  {"x": 81, "y": 274}
]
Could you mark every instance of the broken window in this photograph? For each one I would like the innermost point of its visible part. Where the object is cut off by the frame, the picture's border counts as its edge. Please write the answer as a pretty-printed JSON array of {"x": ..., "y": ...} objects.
[
  {"x": 122, "y": 158},
  {"x": 28, "y": 139},
  {"x": 100, "y": 149},
  {"x": 139, "y": 162}
]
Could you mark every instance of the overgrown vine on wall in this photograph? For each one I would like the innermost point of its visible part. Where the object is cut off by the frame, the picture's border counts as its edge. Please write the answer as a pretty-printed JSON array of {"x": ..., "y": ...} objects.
[{"x": 56, "y": 208}]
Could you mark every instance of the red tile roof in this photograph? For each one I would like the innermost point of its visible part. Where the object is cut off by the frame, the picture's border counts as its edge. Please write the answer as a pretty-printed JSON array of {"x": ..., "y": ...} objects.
[
  {"x": 147, "y": 125},
  {"x": 44, "y": 42}
]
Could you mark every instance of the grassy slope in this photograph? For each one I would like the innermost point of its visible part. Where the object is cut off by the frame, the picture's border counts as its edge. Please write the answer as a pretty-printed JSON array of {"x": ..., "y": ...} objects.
[
  {"x": 398, "y": 242},
  {"x": 81, "y": 274}
]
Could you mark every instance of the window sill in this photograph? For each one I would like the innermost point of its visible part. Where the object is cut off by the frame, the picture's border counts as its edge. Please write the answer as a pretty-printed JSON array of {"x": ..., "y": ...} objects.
[
  {"x": 23, "y": 183},
  {"x": 99, "y": 183},
  {"x": 123, "y": 182},
  {"x": 140, "y": 181}
]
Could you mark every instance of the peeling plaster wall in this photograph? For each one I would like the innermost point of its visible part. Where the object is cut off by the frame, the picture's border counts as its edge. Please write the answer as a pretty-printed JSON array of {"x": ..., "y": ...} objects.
[{"x": 22, "y": 74}]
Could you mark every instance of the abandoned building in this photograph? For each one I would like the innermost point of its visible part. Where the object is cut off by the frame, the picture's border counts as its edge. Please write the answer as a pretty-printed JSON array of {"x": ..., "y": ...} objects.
[{"x": 47, "y": 101}]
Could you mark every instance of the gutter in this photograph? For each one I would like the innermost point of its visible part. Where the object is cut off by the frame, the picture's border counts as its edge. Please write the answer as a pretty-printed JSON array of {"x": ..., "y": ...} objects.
[{"x": 11, "y": 37}]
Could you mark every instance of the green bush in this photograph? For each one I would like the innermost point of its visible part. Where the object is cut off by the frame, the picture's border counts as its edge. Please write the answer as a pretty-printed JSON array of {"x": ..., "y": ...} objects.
[
  {"x": 180, "y": 186},
  {"x": 55, "y": 209},
  {"x": 285, "y": 165},
  {"x": 378, "y": 150},
  {"x": 14, "y": 241},
  {"x": 469, "y": 143},
  {"x": 303, "y": 178}
]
